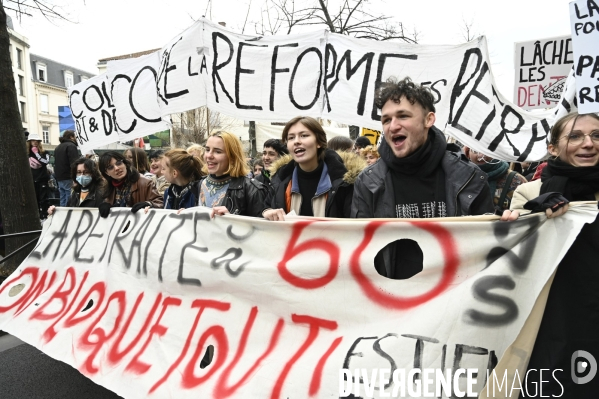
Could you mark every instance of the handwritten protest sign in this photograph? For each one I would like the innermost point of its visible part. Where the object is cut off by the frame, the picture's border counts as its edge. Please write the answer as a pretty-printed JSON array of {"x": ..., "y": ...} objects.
[
  {"x": 133, "y": 301},
  {"x": 584, "y": 19},
  {"x": 324, "y": 75},
  {"x": 542, "y": 67}
]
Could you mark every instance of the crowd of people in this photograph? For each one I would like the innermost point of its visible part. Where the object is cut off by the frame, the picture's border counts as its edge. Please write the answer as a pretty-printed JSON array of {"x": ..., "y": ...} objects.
[{"x": 413, "y": 173}]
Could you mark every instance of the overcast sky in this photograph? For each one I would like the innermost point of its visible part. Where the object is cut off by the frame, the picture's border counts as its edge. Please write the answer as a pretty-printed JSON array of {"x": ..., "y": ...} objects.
[{"x": 108, "y": 28}]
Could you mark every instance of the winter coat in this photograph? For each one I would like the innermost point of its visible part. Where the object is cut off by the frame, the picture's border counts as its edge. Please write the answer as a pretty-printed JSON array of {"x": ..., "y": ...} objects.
[
  {"x": 334, "y": 193},
  {"x": 93, "y": 199},
  {"x": 245, "y": 196},
  {"x": 466, "y": 190},
  {"x": 526, "y": 192},
  {"x": 40, "y": 173},
  {"x": 142, "y": 190},
  {"x": 188, "y": 200},
  {"x": 64, "y": 155}
]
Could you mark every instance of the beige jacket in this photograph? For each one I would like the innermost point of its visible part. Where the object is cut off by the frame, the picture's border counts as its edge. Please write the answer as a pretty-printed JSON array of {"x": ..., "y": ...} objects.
[{"x": 527, "y": 191}]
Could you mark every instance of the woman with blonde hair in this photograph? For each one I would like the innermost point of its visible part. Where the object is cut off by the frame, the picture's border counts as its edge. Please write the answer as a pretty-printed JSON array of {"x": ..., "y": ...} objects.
[
  {"x": 197, "y": 150},
  {"x": 370, "y": 154},
  {"x": 184, "y": 172},
  {"x": 227, "y": 189}
]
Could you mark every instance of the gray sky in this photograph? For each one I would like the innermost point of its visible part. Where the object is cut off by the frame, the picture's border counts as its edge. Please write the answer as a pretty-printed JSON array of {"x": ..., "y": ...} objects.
[{"x": 107, "y": 28}]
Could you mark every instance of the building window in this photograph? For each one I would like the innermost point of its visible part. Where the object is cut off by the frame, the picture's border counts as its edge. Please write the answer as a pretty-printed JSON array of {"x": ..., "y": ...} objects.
[
  {"x": 46, "y": 134},
  {"x": 44, "y": 103},
  {"x": 19, "y": 59},
  {"x": 23, "y": 117},
  {"x": 20, "y": 88},
  {"x": 68, "y": 79},
  {"x": 41, "y": 73}
]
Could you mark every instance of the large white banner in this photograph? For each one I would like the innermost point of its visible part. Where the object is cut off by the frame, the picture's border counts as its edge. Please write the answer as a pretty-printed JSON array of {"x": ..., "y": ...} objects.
[
  {"x": 584, "y": 18},
  {"x": 292, "y": 309},
  {"x": 542, "y": 67},
  {"x": 319, "y": 74}
]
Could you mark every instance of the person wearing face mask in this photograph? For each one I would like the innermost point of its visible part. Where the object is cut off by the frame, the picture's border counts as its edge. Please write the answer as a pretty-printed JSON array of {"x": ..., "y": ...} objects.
[{"x": 86, "y": 192}]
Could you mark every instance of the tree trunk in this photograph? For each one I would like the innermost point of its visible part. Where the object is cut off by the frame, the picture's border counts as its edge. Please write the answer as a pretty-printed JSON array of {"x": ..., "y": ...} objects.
[{"x": 18, "y": 203}]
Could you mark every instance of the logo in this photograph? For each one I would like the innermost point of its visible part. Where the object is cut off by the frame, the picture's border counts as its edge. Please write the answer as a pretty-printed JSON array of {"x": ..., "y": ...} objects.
[{"x": 583, "y": 366}]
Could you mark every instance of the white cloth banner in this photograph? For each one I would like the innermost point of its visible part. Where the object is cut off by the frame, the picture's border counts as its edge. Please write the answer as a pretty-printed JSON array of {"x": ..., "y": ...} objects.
[
  {"x": 584, "y": 20},
  {"x": 133, "y": 301},
  {"x": 266, "y": 132},
  {"x": 319, "y": 74}
]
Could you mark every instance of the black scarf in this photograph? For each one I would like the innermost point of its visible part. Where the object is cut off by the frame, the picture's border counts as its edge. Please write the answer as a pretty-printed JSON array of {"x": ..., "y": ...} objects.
[
  {"x": 421, "y": 162},
  {"x": 574, "y": 182}
]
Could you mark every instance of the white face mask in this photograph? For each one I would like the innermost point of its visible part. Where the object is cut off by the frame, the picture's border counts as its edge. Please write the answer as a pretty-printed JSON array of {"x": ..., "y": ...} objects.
[{"x": 84, "y": 180}]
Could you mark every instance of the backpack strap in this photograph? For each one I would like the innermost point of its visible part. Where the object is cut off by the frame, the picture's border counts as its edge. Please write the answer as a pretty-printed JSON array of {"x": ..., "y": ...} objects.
[{"x": 508, "y": 182}]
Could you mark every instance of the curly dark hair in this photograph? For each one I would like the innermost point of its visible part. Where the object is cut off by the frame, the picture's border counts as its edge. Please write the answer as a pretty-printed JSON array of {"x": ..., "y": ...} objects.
[
  {"x": 92, "y": 168},
  {"x": 276, "y": 145},
  {"x": 394, "y": 90}
]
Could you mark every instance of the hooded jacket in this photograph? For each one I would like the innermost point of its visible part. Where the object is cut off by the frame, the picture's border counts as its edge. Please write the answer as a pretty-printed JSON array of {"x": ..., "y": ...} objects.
[
  {"x": 466, "y": 189},
  {"x": 334, "y": 193}
]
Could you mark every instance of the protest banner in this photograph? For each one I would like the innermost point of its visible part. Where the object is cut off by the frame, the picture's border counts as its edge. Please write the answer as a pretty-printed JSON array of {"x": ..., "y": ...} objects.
[
  {"x": 335, "y": 77},
  {"x": 133, "y": 301},
  {"x": 584, "y": 20},
  {"x": 542, "y": 67}
]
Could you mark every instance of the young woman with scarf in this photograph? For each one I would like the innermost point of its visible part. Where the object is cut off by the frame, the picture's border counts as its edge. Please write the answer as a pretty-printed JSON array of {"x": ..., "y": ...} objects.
[
  {"x": 313, "y": 180},
  {"x": 184, "y": 171},
  {"x": 571, "y": 313},
  {"x": 87, "y": 188},
  {"x": 227, "y": 189},
  {"x": 124, "y": 186}
]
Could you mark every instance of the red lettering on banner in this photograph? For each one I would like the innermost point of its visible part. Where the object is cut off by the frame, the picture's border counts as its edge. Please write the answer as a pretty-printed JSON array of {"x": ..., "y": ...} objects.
[
  {"x": 37, "y": 290},
  {"x": 223, "y": 390},
  {"x": 202, "y": 304},
  {"x": 315, "y": 324},
  {"x": 189, "y": 378},
  {"x": 66, "y": 304},
  {"x": 136, "y": 366},
  {"x": 115, "y": 355},
  {"x": 100, "y": 289},
  {"x": 316, "y": 243},
  {"x": 99, "y": 333},
  {"x": 317, "y": 375},
  {"x": 33, "y": 287},
  {"x": 448, "y": 247}
]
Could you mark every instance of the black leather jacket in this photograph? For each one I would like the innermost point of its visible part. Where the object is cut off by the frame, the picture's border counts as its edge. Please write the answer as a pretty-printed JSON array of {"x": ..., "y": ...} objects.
[{"x": 245, "y": 196}]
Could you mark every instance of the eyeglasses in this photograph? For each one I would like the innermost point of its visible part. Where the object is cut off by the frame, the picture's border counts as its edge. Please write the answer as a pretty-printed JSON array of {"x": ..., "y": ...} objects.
[
  {"x": 109, "y": 168},
  {"x": 577, "y": 138}
]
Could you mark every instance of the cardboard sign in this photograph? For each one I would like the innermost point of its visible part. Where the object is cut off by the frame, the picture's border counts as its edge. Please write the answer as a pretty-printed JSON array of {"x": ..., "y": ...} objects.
[
  {"x": 292, "y": 309},
  {"x": 584, "y": 19}
]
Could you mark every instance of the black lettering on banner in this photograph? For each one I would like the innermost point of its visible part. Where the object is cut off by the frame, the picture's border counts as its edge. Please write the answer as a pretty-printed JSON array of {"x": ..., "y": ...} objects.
[
  {"x": 117, "y": 127},
  {"x": 350, "y": 71},
  {"x": 182, "y": 218},
  {"x": 100, "y": 96},
  {"x": 82, "y": 126},
  {"x": 461, "y": 350},
  {"x": 107, "y": 122},
  {"x": 123, "y": 232},
  {"x": 274, "y": 70},
  {"x": 165, "y": 69},
  {"x": 351, "y": 353},
  {"x": 140, "y": 116},
  {"x": 298, "y": 62},
  {"x": 547, "y": 43},
  {"x": 329, "y": 51},
  {"x": 485, "y": 124},
  {"x": 79, "y": 234},
  {"x": 379, "y": 76},
  {"x": 93, "y": 126},
  {"x": 138, "y": 239},
  {"x": 459, "y": 88},
  {"x": 504, "y": 131},
  {"x": 216, "y": 67},
  {"x": 436, "y": 93},
  {"x": 57, "y": 236},
  {"x": 203, "y": 66},
  {"x": 419, "y": 351},
  {"x": 522, "y": 63},
  {"x": 148, "y": 245},
  {"x": 535, "y": 138},
  {"x": 189, "y": 73},
  {"x": 106, "y": 96},
  {"x": 116, "y": 216},
  {"x": 238, "y": 71},
  {"x": 481, "y": 291},
  {"x": 376, "y": 346},
  {"x": 220, "y": 260},
  {"x": 198, "y": 217},
  {"x": 239, "y": 238},
  {"x": 71, "y": 104}
]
